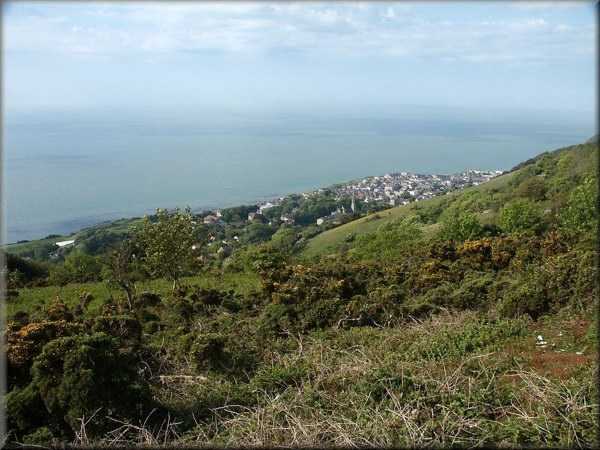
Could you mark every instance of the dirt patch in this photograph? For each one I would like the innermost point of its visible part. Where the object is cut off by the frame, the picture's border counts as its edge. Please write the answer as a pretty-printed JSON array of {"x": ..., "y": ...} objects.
[
  {"x": 550, "y": 364},
  {"x": 557, "y": 364},
  {"x": 579, "y": 327}
]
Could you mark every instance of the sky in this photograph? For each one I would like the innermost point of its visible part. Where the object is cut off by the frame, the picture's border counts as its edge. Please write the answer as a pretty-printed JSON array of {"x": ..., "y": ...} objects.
[{"x": 307, "y": 56}]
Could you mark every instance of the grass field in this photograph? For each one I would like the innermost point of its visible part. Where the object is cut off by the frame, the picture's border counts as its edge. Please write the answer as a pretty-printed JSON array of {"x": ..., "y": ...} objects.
[
  {"x": 455, "y": 379},
  {"x": 30, "y": 299}
]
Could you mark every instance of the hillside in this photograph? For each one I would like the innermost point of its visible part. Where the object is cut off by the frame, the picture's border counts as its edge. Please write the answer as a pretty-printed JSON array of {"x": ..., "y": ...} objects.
[
  {"x": 466, "y": 320},
  {"x": 484, "y": 200},
  {"x": 93, "y": 239}
]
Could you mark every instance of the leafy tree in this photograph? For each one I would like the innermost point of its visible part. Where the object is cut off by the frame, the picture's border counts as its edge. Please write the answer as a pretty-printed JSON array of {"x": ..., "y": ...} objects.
[
  {"x": 273, "y": 213},
  {"x": 82, "y": 268},
  {"x": 122, "y": 269},
  {"x": 520, "y": 216},
  {"x": 22, "y": 271},
  {"x": 533, "y": 188},
  {"x": 258, "y": 232},
  {"x": 42, "y": 252},
  {"x": 284, "y": 238},
  {"x": 167, "y": 243},
  {"x": 461, "y": 226},
  {"x": 310, "y": 211},
  {"x": 99, "y": 241},
  {"x": 77, "y": 268},
  {"x": 59, "y": 275},
  {"x": 581, "y": 212},
  {"x": 237, "y": 213}
]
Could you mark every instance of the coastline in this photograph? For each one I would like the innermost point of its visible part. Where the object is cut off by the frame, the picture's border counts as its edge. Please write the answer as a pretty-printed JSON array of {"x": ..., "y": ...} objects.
[{"x": 422, "y": 181}]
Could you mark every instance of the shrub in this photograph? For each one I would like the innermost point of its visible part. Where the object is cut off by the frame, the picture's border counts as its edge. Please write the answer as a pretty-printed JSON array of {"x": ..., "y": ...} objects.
[
  {"x": 25, "y": 342},
  {"x": 525, "y": 296},
  {"x": 278, "y": 378},
  {"x": 77, "y": 375},
  {"x": 533, "y": 188},
  {"x": 275, "y": 318},
  {"x": 208, "y": 351},
  {"x": 232, "y": 353},
  {"x": 461, "y": 226},
  {"x": 25, "y": 410},
  {"x": 520, "y": 216},
  {"x": 581, "y": 212},
  {"x": 147, "y": 299},
  {"x": 378, "y": 383},
  {"x": 57, "y": 310},
  {"x": 126, "y": 328},
  {"x": 41, "y": 437},
  {"x": 389, "y": 241},
  {"x": 473, "y": 336},
  {"x": 473, "y": 291}
]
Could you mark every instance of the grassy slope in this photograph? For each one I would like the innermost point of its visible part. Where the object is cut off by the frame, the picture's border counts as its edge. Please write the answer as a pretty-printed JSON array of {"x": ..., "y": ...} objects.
[
  {"x": 30, "y": 299},
  {"x": 393, "y": 387},
  {"x": 330, "y": 241}
]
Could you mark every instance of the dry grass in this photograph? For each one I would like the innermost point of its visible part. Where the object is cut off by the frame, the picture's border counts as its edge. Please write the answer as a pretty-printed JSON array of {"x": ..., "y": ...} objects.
[{"x": 361, "y": 389}]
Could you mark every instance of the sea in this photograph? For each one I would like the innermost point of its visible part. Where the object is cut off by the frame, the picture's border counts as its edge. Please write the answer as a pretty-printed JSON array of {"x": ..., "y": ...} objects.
[{"x": 65, "y": 170}]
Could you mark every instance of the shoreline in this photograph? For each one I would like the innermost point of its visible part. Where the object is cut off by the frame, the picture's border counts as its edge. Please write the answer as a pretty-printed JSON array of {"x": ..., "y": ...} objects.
[{"x": 78, "y": 225}]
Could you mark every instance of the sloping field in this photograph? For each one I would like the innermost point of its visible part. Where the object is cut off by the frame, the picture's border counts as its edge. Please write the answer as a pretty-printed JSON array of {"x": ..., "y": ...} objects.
[{"x": 331, "y": 240}]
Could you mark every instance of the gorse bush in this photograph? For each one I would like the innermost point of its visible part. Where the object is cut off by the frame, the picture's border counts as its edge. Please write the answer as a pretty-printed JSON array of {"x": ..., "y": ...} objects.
[
  {"x": 77, "y": 375},
  {"x": 72, "y": 379}
]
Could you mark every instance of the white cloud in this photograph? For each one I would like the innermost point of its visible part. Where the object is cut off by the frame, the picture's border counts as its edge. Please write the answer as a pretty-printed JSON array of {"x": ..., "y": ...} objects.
[
  {"x": 538, "y": 5},
  {"x": 351, "y": 28}
]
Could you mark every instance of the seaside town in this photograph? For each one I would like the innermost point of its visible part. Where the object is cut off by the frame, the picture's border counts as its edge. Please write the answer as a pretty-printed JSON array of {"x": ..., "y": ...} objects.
[
  {"x": 393, "y": 189},
  {"x": 328, "y": 207},
  {"x": 401, "y": 188}
]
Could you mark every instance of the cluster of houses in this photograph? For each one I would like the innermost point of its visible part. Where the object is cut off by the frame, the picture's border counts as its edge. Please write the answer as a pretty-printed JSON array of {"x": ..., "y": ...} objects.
[
  {"x": 391, "y": 189},
  {"x": 215, "y": 217},
  {"x": 404, "y": 187},
  {"x": 336, "y": 215}
]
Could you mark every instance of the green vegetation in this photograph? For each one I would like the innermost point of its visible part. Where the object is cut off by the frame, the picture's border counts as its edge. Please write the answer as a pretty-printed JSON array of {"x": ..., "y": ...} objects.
[
  {"x": 166, "y": 242},
  {"x": 93, "y": 240},
  {"x": 463, "y": 320},
  {"x": 520, "y": 216}
]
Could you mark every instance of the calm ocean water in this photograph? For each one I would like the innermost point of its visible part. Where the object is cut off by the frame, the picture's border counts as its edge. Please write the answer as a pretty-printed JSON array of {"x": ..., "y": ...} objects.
[{"x": 65, "y": 171}]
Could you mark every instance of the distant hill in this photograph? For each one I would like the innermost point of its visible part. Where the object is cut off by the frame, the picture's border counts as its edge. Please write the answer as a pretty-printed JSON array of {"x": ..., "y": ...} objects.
[{"x": 93, "y": 240}]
